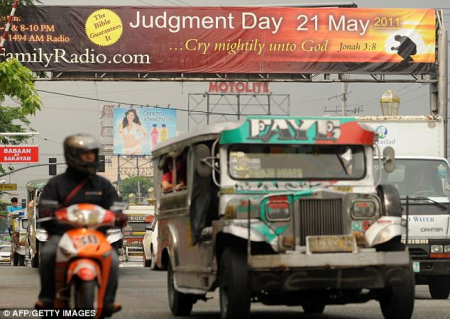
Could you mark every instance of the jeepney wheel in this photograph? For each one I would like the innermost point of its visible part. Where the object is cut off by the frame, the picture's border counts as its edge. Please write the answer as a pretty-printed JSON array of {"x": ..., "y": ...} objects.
[
  {"x": 397, "y": 302},
  {"x": 439, "y": 286},
  {"x": 313, "y": 309},
  {"x": 234, "y": 288},
  {"x": 180, "y": 304}
]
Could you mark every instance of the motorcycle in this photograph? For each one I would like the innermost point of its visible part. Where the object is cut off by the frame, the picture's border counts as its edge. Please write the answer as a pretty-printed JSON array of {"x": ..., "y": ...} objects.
[{"x": 83, "y": 258}]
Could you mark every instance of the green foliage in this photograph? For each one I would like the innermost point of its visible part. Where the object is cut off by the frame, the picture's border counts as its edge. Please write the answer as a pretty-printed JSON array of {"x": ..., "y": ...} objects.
[
  {"x": 6, "y": 6},
  {"x": 130, "y": 185},
  {"x": 17, "y": 82}
]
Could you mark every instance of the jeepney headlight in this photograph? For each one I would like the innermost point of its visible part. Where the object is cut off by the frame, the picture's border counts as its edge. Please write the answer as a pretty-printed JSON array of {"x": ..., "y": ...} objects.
[
  {"x": 363, "y": 209},
  {"x": 435, "y": 249},
  {"x": 447, "y": 249},
  {"x": 277, "y": 210}
]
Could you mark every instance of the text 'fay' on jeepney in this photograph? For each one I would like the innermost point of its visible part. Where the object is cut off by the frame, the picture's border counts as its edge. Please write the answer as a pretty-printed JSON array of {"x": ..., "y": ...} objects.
[{"x": 282, "y": 211}]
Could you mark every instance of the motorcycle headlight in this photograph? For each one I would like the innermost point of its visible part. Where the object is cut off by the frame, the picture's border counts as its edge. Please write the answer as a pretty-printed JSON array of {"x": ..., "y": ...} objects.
[{"x": 364, "y": 209}]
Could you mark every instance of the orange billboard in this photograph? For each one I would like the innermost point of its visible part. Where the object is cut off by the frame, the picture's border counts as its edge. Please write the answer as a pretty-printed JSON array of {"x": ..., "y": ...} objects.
[{"x": 224, "y": 39}]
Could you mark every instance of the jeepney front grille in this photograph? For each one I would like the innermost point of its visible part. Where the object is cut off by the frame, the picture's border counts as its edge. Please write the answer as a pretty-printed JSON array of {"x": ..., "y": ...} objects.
[{"x": 320, "y": 217}]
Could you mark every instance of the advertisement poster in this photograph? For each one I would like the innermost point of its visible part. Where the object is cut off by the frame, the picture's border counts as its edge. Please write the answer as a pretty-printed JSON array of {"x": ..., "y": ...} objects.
[
  {"x": 19, "y": 154},
  {"x": 224, "y": 39},
  {"x": 138, "y": 130}
]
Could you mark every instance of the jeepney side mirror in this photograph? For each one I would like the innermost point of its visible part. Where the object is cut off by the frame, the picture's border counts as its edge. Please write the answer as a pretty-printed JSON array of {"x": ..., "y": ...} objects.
[
  {"x": 389, "y": 159},
  {"x": 202, "y": 154}
]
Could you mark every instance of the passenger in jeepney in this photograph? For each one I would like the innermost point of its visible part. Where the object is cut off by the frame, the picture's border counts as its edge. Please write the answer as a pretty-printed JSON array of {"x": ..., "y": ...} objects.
[{"x": 168, "y": 176}]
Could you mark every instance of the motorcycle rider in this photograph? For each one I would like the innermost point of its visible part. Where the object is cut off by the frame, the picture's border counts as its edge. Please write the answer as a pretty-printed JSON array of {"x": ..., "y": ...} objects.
[{"x": 79, "y": 184}]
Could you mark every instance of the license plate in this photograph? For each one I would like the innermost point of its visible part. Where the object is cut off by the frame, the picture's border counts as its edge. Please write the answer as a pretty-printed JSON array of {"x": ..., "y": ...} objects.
[
  {"x": 330, "y": 244},
  {"x": 5, "y": 259},
  {"x": 416, "y": 266}
]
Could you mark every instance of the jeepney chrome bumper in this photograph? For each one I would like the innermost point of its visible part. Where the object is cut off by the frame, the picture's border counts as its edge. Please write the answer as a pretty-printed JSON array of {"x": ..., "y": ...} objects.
[{"x": 288, "y": 272}]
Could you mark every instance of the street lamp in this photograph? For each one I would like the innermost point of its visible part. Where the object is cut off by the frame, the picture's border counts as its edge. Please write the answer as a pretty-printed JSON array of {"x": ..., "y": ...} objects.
[{"x": 390, "y": 103}]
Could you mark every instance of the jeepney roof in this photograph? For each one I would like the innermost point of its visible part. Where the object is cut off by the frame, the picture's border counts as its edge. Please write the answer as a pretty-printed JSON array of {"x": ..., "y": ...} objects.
[
  {"x": 299, "y": 130},
  {"x": 205, "y": 133},
  {"x": 36, "y": 184}
]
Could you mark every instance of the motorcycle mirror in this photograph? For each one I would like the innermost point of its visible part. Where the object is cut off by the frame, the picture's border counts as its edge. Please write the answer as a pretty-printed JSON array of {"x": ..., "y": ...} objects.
[{"x": 118, "y": 206}]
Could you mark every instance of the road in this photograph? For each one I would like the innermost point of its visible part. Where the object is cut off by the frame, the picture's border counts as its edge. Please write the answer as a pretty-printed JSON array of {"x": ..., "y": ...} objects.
[{"x": 143, "y": 294}]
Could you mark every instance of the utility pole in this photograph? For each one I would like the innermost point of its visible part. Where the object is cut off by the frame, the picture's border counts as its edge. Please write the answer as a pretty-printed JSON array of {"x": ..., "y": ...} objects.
[{"x": 344, "y": 95}]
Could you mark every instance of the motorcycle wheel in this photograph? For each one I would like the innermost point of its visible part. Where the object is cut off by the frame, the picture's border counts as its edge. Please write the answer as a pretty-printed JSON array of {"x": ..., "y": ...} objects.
[{"x": 85, "y": 295}]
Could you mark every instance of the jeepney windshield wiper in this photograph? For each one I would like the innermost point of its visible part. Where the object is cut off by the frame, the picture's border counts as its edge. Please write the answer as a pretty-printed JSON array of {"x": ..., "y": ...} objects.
[{"x": 427, "y": 198}]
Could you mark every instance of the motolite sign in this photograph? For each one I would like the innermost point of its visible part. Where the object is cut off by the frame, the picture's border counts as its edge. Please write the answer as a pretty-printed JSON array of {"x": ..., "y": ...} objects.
[
  {"x": 239, "y": 87},
  {"x": 19, "y": 154}
]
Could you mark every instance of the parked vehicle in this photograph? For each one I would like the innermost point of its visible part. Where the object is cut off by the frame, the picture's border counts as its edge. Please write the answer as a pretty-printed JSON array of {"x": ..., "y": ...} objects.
[
  {"x": 280, "y": 211},
  {"x": 83, "y": 256},
  {"x": 5, "y": 253},
  {"x": 423, "y": 181},
  {"x": 138, "y": 218},
  {"x": 36, "y": 235},
  {"x": 150, "y": 244},
  {"x": 19, "y": 225}
]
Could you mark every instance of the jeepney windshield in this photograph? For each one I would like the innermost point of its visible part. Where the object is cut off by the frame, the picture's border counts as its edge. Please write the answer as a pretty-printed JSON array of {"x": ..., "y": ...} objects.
[{"x": 293, "y": 162}]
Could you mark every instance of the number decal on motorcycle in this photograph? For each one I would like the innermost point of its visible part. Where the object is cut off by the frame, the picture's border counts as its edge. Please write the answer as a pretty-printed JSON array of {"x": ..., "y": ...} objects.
[{"x": 83, "y": 240}]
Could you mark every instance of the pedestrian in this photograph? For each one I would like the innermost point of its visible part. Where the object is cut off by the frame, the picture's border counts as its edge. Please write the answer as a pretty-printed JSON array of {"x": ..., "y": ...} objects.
[{"x": 14, "y": 205}]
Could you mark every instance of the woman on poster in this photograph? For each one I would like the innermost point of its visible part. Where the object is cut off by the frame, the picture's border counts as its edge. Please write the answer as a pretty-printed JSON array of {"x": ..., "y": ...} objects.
[{"x": 132, "y": 132}]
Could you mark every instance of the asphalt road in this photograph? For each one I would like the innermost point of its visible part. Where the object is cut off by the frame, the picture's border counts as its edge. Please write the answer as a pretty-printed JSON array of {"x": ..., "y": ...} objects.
[{"x": 143, "y": 294}]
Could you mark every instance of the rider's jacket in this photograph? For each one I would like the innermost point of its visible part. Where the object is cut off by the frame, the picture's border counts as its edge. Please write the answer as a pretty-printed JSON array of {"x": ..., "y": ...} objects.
[{"x": 95, "y": 190}]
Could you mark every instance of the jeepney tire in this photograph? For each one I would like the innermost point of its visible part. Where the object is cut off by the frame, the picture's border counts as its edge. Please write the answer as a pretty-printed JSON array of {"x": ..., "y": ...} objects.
[
  {"x": 234, "y": 287},
  {"x": 397, "y": 302},
  {"x": 21, "y": 260},
  {"x": 35, "y": 259},
  {"x": 439, "y": 286},
  {"x": 390, "y": 200},
  {"x": 180, "y": 304},
  {"x": 313, "y": 309}
]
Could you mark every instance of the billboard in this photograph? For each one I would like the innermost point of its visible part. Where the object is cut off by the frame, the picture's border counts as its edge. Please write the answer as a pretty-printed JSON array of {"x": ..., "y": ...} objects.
[
  {"x": 224, "y": 39},
  {"x": 138, "y": 131},
  {"x": 19, "y": 154}
]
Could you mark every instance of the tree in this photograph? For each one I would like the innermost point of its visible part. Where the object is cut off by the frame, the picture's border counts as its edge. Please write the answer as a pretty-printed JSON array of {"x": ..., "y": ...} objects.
[
  {"x": 6, "y": 6},
  {"x": 130, "y": 185},
  {"x": 17, "y": 83}
]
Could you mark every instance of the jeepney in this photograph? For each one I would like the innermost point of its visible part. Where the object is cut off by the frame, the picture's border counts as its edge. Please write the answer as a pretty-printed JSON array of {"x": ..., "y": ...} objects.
[
  {"x": 36, "y": 235},
  {"x": 282, "y": 211},
  {"x": 134, "y": 231}
]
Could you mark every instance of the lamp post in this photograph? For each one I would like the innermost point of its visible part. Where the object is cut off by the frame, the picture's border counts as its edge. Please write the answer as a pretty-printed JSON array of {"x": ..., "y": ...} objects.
[{"x": 390, "y": 103}]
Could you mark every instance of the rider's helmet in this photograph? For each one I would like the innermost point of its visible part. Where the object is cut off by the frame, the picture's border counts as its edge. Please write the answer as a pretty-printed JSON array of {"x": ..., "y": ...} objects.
[{"x": 74, "y": 145}]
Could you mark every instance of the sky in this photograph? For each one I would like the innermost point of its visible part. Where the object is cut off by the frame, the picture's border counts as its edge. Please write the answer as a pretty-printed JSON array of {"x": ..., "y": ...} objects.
[{"x": 73, "y": 107}]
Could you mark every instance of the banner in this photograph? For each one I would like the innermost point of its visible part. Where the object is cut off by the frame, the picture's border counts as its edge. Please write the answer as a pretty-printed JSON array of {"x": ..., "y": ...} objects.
[
  {"x": 19, "y": 154},
  {"x": 138, "y": 131},
  {"x": 224, "y": 39}
]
